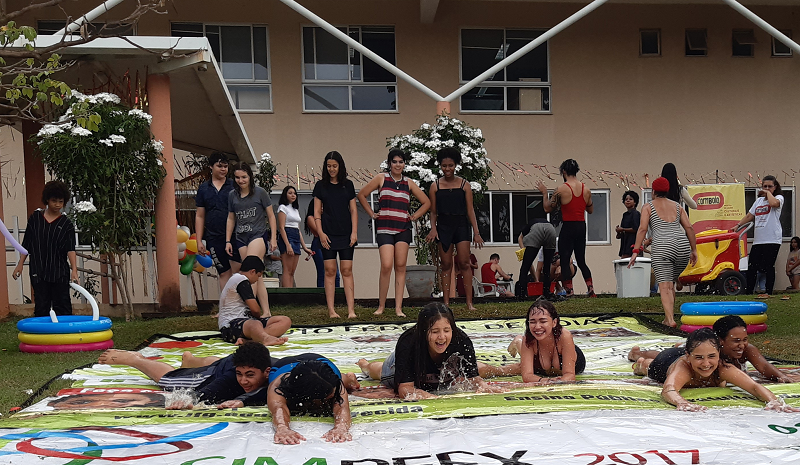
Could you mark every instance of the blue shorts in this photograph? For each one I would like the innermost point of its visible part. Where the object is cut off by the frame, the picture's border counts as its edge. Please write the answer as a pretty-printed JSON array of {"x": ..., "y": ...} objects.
[
  {"x": 216, "y": 247},
  {"x": 387, "y": 372},
  {"x": 294, "y": 240}
]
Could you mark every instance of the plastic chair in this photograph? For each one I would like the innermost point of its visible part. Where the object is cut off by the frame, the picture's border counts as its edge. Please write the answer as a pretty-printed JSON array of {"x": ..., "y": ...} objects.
[{"x": 478, "y": 289}]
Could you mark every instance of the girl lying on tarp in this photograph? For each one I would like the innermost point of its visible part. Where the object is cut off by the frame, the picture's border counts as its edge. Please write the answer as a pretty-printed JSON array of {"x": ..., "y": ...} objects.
[
  {"x": 736, "y": 350},
  {"x": 434, "y": 354},
  {"x": 701, "y": 366}
]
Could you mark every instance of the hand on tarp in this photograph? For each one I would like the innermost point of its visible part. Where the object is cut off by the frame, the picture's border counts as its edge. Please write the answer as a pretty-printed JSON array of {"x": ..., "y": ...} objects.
[
  {"x": 284, "y": 435},
  {"x": 337, "y": 434},
  {"x": 690, "y": 407}
]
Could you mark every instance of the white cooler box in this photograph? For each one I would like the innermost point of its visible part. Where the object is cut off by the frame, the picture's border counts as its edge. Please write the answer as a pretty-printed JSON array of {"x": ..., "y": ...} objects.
[{"x": 633, "y": 281}]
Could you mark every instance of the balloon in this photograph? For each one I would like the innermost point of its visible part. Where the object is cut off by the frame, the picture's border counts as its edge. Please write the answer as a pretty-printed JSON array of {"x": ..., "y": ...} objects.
[
  {"x": 186, "y": 230},
  {"x": 182, "y": 254},
  {"x": 198, "y": 267},
  {"x": 191, "y": 244},
  {"x": 182, "y": 236},
  {"x": 11, "y": 239},
  {"x": 188, "y": 265},
  {"x": 204, "y": 260},
  {"x": 182, "y": 246}
]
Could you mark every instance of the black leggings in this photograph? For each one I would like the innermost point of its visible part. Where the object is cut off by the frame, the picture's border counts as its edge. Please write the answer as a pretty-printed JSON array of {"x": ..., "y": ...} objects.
[
  {"x": 525, "y": 269},
  {"x": 573, "y": 239},
  {"x": 762, "y": 258}
]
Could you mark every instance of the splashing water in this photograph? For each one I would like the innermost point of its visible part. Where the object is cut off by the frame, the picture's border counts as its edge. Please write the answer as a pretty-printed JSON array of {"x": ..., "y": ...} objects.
[
  {"x": 183, "y": 398},
  {"x": 452, "y": 378}
]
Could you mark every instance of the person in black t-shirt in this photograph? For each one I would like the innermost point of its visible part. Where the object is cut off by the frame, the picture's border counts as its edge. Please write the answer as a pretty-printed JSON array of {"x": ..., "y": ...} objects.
[
  {"x": 433, "y": 354},
  {"x": 50, "y": 241},
  {"x": 234, "y": 381},
  {"x": 335, "y": 211}
]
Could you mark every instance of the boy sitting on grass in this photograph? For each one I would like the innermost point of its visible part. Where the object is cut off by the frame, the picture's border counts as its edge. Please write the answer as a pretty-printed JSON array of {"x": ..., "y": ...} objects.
[
  {"x": 238, "y": 304},
  {"x": 234, "y": 381}
]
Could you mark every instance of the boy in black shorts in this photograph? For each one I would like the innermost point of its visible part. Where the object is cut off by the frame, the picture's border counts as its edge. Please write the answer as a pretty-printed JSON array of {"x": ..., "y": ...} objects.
[
  {"x": 234, "y": 381},
  {"x": 238, "y": 305}
]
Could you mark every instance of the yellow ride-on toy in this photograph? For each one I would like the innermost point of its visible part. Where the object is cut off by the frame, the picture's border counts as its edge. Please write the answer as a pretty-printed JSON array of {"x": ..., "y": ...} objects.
[{"x": 721, "y": 259}]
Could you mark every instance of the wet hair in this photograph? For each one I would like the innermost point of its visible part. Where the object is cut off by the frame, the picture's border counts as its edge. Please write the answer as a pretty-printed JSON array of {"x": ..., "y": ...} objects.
[
  {"x": 309, "y": 381},
  {"x": 542, "y": 305},
  {"x": 428, "y": 316},
  {"x": 252, "y": 262},
  {"x": 336, "y": 156},
  {"x": 570, "y": 167},
  {"x": 242, "y": 166},
  {"x": 493, "y": 256},
  {"x": 700, "y": 336},
  {"x": 252, "y": 354},
  {"x": 392, "y": 154},
  {"x": 796, "y": 240},
  {"x": 284, "y": 200},
  {"x": 633, "y": 195},
  {"x": 724, "y": 325},
  {"x": 55, "y": 190},
  {"x": 448, "y": 152},
  {"x": 216, "y": 157},
  {"x": 309, "y": 212},
  {"x": 671, "y": 174},
  {"x": 778, "y": 190}
]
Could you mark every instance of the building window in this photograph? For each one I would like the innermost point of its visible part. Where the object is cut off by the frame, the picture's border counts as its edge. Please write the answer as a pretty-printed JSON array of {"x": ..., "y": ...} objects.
[
  {"x": 243, "y": 55},
  {"x": 779, "y": 49},
  {"x": 649, "y": 42},
  {"x": 696, "y": 42},
  {"x": 597, "y": 224},
  {"x": 501, "y": 216},
  {"x": 521, "y": 87},
  {"x": 338, "y": 78},
  {"x": 787, "y": 213},
  {"x": 743, "y": 43}
]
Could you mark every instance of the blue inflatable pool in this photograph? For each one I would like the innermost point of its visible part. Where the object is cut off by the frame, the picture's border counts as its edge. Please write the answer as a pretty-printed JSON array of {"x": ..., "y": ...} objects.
[{"x": 723, "y": 308}]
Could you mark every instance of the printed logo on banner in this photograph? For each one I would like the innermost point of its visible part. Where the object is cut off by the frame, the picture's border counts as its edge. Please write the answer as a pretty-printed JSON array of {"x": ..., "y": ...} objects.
[
  {"x": 93, "y": 450},
  {"x": 709, "y": 200}
]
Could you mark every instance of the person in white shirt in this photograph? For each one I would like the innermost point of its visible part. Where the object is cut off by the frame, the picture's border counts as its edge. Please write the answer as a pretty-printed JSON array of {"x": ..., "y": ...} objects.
[
  {"x": 238, "y": 307},
  {"x": 768, "y": 233},
  {"x": 290, "y": 241}
]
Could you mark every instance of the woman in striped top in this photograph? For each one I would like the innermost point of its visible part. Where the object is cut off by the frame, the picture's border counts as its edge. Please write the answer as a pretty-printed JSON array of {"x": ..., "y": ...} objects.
[
  {"x": 673, "y": 247},
  {"x": 393, "y": 224}
]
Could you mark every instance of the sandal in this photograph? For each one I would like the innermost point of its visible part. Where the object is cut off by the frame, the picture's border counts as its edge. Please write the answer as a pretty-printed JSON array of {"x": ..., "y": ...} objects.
[{"x": 785, "y": 297}]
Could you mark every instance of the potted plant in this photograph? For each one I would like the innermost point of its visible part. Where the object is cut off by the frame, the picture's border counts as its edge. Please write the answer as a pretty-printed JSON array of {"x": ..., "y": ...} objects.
[{"x": 422, "y": 167}]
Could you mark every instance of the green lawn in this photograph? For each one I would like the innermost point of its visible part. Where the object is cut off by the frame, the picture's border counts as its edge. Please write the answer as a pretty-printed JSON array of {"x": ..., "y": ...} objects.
[{"x": 21, "y": 372}]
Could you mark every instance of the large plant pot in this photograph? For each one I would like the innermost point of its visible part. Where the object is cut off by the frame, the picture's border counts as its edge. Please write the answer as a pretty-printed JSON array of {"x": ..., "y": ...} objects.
[{"x": 420, "y": 280}]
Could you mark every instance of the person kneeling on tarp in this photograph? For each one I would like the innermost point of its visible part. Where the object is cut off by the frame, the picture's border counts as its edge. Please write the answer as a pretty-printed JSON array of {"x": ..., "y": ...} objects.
[
  {"x": 238, "y": 304},
  {"x": 433, "y": 354},
  {"x": 234, "y": 381},
  {"x": 701, "y": 367},
  {"x": 308, "y": 383}
]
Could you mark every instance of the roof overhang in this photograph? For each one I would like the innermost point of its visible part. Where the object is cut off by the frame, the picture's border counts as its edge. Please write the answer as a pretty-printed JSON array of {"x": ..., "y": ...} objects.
[{"x": 204, "y": 118}]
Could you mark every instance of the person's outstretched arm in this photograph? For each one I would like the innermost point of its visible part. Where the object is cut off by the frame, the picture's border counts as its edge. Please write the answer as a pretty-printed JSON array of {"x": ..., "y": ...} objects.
[
  {"x": 677, "y": 377},
  {"x": 739, "y": 378},
  {"x": 341, "y": 421},
  {"x": 753, "y": 355},
  {"x": 281, "y": 417}
]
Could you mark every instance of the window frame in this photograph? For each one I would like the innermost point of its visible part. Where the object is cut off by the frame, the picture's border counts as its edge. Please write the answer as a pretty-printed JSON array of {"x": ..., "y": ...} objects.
[
  {"x": 688, "y": 43},
  {"x": 751, "y": 45},
  {"x": 607, "y": 193},
  {"x": 658, "y": 39},
  {"x": 349, "y": 83},
  {"x": 787, "y": 33},
  {"x": 258, "y": 83},
  {"x": 506, "y": 84}
]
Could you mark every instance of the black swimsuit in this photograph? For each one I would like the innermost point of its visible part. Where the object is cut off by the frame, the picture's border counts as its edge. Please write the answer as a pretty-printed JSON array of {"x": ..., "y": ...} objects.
[
  {"x": 452, "y": 222},
  {"x": 580, "y": 363}
]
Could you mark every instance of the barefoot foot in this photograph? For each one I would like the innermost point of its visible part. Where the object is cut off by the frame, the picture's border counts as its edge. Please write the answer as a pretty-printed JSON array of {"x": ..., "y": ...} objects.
[
  {"x": 639, "y": 368},
  {"x": 274, "y": 341},
  {"x": 514, "y": 346},
  {"x": 634, "y": 354},
  {"x": 352, "y": 315},
  {"x": 333, "y": 315},
  {"x": 364, "y": 365},
  {"x": 378, "y": 312},
  {"x": 119, "y": 357},
  {"x": 399, "y": 313}
]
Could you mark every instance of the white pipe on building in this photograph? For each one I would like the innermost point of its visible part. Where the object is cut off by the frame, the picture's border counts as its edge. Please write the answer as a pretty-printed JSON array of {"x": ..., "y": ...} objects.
[
  {"x": 88, "y": 17},
  {"x": 764, "y": 25},
  {"x": 364, "y": 50},
  {"x": 519, "y": 53}
]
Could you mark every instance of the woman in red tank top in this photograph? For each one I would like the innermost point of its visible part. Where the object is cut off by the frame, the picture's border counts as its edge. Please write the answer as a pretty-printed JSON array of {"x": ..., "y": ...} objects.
[{"x": 573, "y": 230}]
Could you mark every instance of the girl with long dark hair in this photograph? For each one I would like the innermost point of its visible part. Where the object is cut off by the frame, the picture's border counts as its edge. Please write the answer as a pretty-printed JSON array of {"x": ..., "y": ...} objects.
[
  {"x": 290, "y": 241},
  {"x": 336, "y": 218}
]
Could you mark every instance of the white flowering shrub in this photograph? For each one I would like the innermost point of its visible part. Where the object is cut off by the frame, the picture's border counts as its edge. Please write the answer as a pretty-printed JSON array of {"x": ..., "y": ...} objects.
[
  {"x": 265, "y": 172},
  {"x": 422, "y": 167},
  {"x": 113, "y": 166}
]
